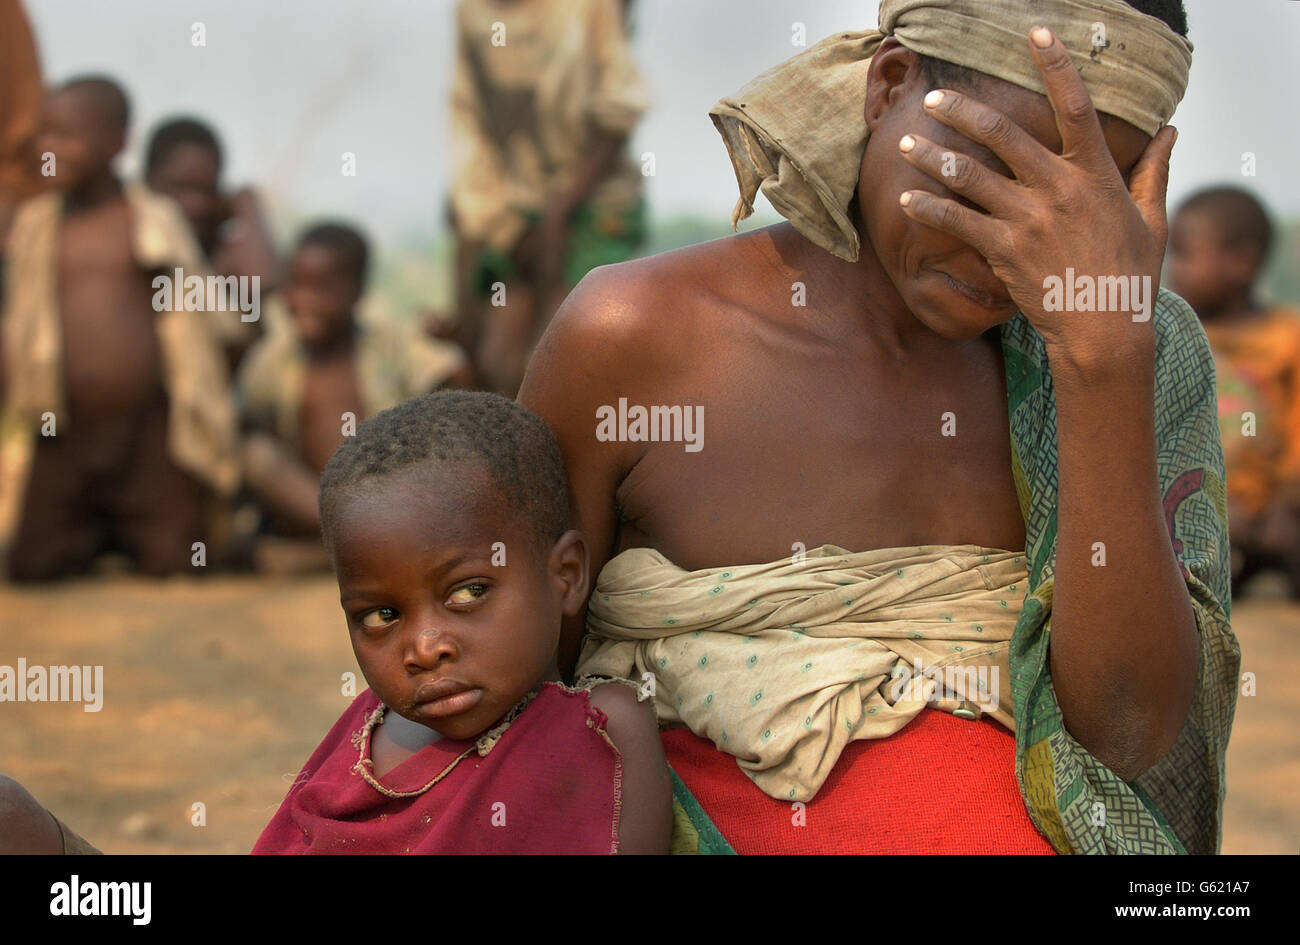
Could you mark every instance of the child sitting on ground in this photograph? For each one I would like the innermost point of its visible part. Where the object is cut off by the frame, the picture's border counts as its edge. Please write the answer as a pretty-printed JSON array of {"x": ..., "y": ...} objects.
[
  {"x": 447, "y": 522},
  {"x": 314, "y": 376}
]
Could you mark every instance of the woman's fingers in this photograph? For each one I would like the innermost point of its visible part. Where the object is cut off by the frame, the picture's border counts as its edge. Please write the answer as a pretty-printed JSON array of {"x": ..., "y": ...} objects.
[
  {"x": 983, "y": 124},
  {"x": 962, "y": 174},
  {"x": 1082, "y": 139},
  {"x": 978, "y": 230}
]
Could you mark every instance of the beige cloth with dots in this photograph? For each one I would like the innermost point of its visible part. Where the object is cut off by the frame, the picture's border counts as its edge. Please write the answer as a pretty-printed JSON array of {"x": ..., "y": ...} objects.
[{"x": 783, "y": 664}]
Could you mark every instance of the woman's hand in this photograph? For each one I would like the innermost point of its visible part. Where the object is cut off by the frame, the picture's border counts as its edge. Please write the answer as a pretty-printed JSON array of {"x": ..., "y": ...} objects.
[{"x": 1067, "y": 211}]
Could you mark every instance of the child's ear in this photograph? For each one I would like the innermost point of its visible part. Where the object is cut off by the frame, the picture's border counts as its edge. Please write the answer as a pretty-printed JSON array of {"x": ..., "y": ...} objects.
[{"x": 568, "y": 569}]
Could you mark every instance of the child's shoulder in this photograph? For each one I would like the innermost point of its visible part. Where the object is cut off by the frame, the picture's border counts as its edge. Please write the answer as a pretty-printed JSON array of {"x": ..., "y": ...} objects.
[
  {"x": 351, "y": 721},
  {"x": 41, "y": 211},
  {"x": 402, "y": 362},
  {"x": 627, "y": 718},
  {"x": 160, "y": 232}
]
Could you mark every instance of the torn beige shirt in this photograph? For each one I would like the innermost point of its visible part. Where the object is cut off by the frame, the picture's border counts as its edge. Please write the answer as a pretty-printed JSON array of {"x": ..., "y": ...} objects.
[
  {"x": 534, "y": 85},
  {"x": 202, "y": 426},
  {"x": 783, "y": 664}
]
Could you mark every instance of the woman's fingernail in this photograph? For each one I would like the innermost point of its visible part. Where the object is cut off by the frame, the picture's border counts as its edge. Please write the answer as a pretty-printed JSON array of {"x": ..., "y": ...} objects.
[
  {"x": 905, "y": 198},
  {"x": 906, "y": 143},
  {"x": 1041, "y": 36},
  {"x": 934, "y": 99}
]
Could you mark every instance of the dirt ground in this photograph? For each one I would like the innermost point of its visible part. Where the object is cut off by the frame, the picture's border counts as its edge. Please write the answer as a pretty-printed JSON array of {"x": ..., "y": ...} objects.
[{"x": 216, "y": 691}]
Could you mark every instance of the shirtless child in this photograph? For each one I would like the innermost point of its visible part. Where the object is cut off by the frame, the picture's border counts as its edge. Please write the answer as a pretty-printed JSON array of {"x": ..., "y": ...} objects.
[
  {"x": 307, "y": 384},
  {"x": 447, "y": 522},
  {"x": 827, "y": 355},
  {"x": 132, "y": 405}
]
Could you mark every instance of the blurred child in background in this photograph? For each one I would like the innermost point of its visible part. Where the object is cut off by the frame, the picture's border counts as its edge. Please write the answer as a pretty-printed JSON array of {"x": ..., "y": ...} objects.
[
  {"x": 1219, "y": 241},
  {"x": 183, "y": 161},
  {"x": 118, "y": 420},
  {"x": 545, "y": 96},
  {"x": 306, "y": 386}
]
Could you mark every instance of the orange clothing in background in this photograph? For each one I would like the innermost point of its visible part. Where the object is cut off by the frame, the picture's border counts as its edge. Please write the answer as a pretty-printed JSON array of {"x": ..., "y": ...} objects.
[
  {"x": 20, "y": 105},
  {"x": 1258, "y": 366}
]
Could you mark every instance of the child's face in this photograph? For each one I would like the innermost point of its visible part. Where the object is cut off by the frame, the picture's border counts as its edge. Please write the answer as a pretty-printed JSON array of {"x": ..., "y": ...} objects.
[
  {"x": 922, "y": 262},
  {"x": 450, "y": 628},
  {"x": 189, "y": 175},
  {"x": 82, "y": 140},
  {"x": 321, "y": 295},
  {"x": 1200, "y": 268}
]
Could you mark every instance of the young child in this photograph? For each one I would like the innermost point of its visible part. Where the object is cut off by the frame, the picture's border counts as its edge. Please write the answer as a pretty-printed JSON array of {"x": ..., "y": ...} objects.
[
  {"x": 447, "y": 522},
  {"x": 183, "y": 161},
  {"x": 118, "y": 419},
  {"x": 1219, "y": 242},
  {"x": 317, "y": 373}
]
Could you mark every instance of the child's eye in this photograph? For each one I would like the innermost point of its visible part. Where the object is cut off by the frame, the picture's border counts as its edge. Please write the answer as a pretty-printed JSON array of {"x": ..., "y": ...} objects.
[
  {"x": 379, "y": 617},
  {"x": 467, "y": 594}
]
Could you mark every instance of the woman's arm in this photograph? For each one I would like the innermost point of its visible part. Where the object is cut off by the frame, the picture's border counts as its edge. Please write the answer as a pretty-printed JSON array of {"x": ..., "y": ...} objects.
[{"x": 1124, "y": 644}]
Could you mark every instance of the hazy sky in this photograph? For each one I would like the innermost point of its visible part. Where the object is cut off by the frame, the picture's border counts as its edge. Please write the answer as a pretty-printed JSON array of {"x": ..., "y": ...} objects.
[{"x": 291, "y": 84}]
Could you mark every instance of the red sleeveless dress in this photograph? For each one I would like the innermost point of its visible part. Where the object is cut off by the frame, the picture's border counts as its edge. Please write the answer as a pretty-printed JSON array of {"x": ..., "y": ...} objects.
[{"x": 552, "y": 783}]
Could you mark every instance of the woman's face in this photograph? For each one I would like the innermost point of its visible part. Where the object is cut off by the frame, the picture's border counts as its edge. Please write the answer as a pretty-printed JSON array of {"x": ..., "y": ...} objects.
[{"x": 945, "y": 283}]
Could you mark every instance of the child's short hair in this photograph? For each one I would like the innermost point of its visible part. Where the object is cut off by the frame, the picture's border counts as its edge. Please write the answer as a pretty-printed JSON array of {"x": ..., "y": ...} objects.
[
  {"x": 109, "y": 97},
  {"x": 450, "y": 429},
  {"x": 1241, "y": 219},
  {"x": 174, "y": 132},
  {"x": 346, "y": 242}
]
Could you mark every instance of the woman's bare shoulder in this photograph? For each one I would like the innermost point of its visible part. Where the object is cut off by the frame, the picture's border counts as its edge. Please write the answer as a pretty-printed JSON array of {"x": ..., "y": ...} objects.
[{"x": 646, "y": 309}]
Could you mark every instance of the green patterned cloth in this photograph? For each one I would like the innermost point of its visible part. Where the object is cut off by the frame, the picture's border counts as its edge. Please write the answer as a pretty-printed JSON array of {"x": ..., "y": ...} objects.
[
  {"x": 693, "y": 832},
  {"x": 1078, "y": 803}
]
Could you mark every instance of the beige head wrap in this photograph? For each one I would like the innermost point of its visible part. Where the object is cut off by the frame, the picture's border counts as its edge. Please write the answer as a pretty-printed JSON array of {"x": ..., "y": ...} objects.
[{"x": 798, "y": 130}]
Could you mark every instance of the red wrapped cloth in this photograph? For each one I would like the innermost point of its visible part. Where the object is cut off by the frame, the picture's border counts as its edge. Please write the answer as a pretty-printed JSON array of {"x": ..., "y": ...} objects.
[{"x": 939, "y": 785}]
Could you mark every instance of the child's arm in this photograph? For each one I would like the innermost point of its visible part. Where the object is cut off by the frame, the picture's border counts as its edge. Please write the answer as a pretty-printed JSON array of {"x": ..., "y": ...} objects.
[
  {"x": 646, "y": 817},
  {"x": 281, "y": 481},
  {"x": 25, "y": 826},
  {"x": 249, "y": 249}
]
